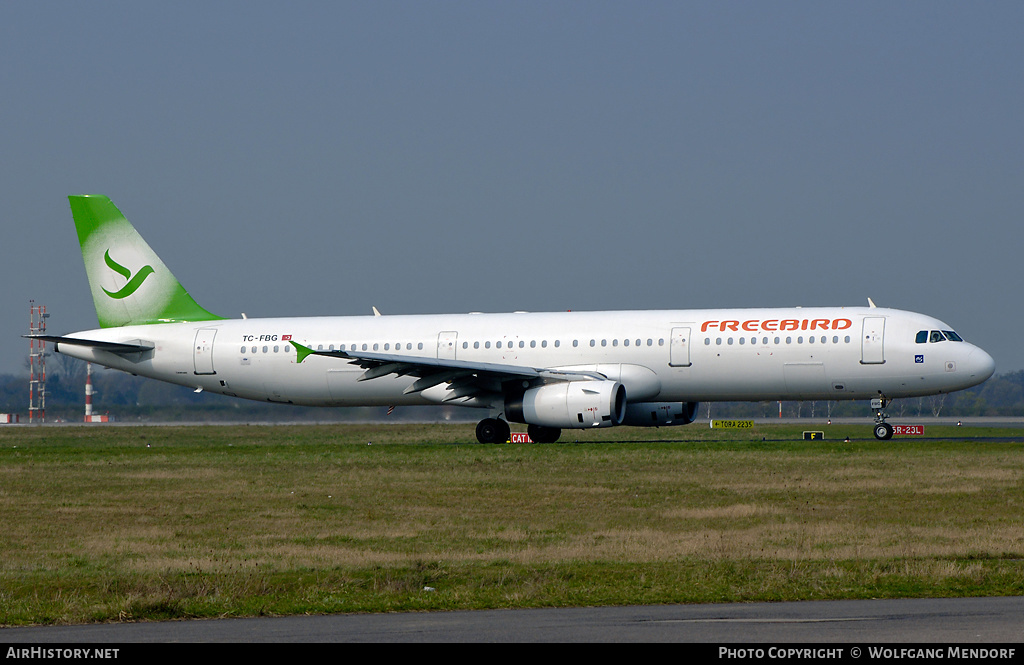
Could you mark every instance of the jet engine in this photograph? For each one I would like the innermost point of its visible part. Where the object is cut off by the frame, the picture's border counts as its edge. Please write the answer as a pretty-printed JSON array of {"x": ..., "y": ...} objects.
[
  {"x": 570, "y": 405},
  {"x": 660, "y": 414}
]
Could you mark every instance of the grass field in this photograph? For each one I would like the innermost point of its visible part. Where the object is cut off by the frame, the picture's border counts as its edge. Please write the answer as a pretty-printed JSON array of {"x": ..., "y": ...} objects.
[{"x": 136, "y": 523}]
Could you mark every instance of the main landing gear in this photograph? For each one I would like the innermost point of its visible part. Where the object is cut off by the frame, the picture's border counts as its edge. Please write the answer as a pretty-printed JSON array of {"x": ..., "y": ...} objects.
[
  {"x": 496, "y": 430},
  {"x": 492, "y": 430},
  {"x": 883, "y": 430},
  {"x": 540, "y": 434}
]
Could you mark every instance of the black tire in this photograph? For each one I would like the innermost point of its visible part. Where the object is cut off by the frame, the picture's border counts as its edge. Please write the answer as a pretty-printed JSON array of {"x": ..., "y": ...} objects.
[
  {"x": 492, "y": 430},
  {"x": 505, "y": 432},
  {"x": 883, "y": 431},
  {"x": 540, "y": 434}
]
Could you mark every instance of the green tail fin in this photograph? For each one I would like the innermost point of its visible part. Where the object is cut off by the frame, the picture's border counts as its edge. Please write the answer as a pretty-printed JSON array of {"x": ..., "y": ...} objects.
[{"x": 130, "y": 284}]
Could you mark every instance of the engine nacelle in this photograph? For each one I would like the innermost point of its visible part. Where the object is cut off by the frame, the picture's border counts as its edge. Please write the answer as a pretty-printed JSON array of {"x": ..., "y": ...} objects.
[
  {"x": 660, "y": 414},
  {"x": 570, "y": 405}
]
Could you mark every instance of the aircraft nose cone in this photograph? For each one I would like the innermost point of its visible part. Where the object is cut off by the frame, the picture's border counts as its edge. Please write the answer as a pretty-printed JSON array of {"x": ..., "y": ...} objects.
[{"x": 981, "y": 365}]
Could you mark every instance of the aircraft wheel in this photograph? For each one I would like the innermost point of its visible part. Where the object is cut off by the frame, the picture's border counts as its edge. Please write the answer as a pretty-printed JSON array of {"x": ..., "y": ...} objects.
[
  {"x": 539, "y": 434},
  {"x": 492, "y": 430},
  {"x": 883, "y": 431}
]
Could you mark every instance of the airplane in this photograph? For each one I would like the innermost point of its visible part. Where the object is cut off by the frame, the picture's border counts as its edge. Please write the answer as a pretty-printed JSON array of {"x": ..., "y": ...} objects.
[{"x": 550, "y": 371}]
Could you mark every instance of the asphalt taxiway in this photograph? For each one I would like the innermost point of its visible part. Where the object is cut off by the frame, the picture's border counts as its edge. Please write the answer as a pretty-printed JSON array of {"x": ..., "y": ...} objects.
[{"x": 932, "y": 621}]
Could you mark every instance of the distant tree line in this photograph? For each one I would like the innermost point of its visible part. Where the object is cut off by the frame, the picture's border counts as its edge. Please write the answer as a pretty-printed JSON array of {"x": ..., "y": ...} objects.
[{"x": 127, "y": 397}]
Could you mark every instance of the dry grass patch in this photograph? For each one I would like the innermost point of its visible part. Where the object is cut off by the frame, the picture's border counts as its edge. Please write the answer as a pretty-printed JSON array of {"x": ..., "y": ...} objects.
[{"x": 735, "y": 511}]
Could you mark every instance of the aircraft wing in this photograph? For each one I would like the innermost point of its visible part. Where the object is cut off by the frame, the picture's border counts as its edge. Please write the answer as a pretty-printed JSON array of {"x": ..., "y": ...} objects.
[{"x": 466, "y": 379}]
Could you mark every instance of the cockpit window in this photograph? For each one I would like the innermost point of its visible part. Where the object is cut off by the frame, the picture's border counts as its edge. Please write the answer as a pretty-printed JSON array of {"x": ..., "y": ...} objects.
[{"x": 937, "y": 336}]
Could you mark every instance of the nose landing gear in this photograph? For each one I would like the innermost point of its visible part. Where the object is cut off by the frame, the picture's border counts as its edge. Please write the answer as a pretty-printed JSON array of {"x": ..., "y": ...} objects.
[{"x": 883, "y": 430}]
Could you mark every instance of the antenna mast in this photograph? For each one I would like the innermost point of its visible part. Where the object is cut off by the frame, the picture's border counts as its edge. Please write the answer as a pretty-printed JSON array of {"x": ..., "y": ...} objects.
[{"x": 37, "y": 363}]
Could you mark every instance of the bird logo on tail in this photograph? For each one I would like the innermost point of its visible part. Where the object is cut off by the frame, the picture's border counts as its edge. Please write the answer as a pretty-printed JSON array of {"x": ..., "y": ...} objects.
[{"x": 133, "y": 282}]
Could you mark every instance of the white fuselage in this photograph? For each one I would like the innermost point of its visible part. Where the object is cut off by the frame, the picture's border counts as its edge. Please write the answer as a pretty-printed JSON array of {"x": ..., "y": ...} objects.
[{"x": 659, "y": 356}]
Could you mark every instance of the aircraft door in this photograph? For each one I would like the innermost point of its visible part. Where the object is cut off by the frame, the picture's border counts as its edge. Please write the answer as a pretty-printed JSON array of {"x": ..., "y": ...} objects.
[
  {"x": 446, "y": 345},
  {"x": 679, "y": 348},
  {"x": 203, "y": 351},
  {"x": 871, "y": 347}
]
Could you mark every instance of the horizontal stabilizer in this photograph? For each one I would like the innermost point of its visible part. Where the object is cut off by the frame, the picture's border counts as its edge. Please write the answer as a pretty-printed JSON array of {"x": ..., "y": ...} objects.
[{"x": 113, "y": 347}]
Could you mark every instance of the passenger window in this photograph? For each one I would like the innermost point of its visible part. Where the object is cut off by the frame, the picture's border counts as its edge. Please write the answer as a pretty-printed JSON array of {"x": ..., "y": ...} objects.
[
  {"x": 718, "y": 341},
  {"x": 243, "y": 349},
  {"x": 487, "y": 345},
  {"x": 497, "y": 345}
]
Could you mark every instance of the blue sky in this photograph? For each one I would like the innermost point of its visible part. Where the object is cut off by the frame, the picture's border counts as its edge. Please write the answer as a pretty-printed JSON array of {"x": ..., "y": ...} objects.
[{"x": 421, "y": 157}]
